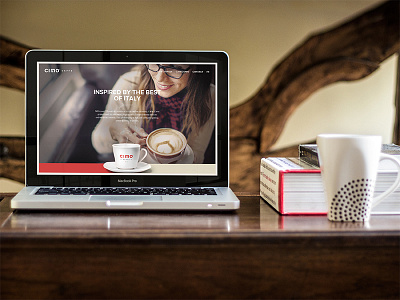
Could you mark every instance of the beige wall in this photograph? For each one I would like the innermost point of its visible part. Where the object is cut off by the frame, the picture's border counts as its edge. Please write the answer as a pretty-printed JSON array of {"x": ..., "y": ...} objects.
[{"x": 256, "y": 34}]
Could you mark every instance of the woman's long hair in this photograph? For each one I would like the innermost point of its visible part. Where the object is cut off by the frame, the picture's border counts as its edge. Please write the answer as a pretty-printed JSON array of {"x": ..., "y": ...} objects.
[{"x": 197, "y": 103}]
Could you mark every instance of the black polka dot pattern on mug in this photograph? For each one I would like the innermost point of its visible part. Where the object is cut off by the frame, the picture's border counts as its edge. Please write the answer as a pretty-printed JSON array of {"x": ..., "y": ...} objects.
[{"x": 353, "y": 202}]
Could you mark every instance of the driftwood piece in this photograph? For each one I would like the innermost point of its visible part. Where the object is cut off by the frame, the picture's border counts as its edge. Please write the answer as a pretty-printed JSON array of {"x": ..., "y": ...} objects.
[
  {"x": 15, "y": 146},
  {"x": 347, "y": 52},
  {"x": 13, "y": 169},
  {"x": 12, "y": 162},
  {"x": 12, "y": 64},
  {"x": 12, "y": 74}
]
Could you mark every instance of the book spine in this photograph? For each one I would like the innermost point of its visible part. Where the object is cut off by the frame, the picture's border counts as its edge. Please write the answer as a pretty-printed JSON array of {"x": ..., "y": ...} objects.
[
  {"x": 308, "y": 155},
  {"x": 269, "y": 184}
]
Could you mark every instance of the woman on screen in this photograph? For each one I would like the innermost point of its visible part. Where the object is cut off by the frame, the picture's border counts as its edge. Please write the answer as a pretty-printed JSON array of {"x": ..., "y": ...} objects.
[{"x": 155, "y": 96}]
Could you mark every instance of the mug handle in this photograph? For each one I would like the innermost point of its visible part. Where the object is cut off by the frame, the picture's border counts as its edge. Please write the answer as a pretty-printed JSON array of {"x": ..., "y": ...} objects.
[
  {"x": 394, "y": 186},
  {"x": 145, "y": 154}
]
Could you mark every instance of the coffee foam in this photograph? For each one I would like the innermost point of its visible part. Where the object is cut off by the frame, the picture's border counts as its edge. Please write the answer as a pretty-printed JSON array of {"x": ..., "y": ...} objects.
[{"x": 166, "y": 142}]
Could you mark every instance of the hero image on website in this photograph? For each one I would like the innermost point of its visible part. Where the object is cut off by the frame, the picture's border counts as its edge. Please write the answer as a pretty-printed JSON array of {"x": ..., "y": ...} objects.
[{"x": 113, "y": 118}]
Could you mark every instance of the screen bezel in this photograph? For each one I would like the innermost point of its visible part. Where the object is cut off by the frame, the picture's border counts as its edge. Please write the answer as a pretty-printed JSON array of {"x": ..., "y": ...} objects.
[{"x": 75, "y": 56}]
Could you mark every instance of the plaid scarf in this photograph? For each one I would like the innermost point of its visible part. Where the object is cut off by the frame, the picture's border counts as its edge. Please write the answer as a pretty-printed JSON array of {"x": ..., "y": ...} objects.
[{"x": 168, "y": 112}]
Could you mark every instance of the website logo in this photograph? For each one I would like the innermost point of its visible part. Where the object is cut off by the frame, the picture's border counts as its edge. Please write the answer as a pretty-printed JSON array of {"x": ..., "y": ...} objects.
[{"x": 52, "y": 70}]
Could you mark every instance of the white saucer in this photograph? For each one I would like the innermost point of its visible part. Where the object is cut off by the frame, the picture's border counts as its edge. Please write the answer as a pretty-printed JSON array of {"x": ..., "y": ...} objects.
[
  {"x": 141, "y": 167},
  {"x": 187, "y": 157}
]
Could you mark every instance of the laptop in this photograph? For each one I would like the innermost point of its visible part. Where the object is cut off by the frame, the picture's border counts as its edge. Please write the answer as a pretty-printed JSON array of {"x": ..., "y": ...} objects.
[{"x": 80, "y": 104}]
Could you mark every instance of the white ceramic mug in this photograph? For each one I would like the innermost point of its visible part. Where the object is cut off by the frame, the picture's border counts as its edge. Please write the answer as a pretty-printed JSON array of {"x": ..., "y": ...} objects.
[
  {"x": 127, "y": 156},
  {"x": 349, "y": 167}
]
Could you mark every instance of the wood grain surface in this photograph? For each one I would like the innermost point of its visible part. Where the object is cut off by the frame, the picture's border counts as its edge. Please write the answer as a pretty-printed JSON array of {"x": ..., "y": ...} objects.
[{"x": 252, "y": 253}]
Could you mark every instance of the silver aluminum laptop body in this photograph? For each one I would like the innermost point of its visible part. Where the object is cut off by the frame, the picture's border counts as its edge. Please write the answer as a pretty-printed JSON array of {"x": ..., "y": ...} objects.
[{"x": 73, "y": 98}]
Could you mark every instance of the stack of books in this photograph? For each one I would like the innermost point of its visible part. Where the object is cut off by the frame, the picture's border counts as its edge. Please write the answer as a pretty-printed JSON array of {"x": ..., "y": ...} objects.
[{"x": 293, "y": 185}]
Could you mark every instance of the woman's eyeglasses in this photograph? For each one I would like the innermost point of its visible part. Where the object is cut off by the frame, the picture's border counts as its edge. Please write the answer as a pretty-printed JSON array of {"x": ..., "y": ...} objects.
[{"x": 172, "y": 72}]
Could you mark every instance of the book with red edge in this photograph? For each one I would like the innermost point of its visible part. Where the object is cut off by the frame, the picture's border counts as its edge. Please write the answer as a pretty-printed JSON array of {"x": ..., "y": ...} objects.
[{"x": 294, "y": 187}]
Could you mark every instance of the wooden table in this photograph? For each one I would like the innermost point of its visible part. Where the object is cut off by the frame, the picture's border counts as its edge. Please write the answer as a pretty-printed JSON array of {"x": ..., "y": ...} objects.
[{"x": 252, "y": 253}]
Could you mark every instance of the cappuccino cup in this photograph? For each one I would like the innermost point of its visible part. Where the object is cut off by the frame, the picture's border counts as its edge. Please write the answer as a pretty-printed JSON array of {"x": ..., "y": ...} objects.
[
  {"x": 166, "y": 145},
  {"x": 127, "y": 156},
  {"x": 349, "y": 167}
]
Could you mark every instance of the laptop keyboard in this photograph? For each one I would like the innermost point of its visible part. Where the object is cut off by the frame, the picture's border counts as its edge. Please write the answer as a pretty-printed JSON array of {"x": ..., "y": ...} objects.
[{"x": 125, "y": 191}]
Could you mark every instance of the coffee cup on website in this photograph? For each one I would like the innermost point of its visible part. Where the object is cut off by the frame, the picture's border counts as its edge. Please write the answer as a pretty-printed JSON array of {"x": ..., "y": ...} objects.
[
  {"x": 166, "y": 145},
  {"x": 127, "y": 156},
  {"x": 349, "y": 167}
]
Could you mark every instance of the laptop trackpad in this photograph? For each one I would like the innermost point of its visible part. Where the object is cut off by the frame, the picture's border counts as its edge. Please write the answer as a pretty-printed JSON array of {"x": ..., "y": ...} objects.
[{"x": 123, "y": 198}]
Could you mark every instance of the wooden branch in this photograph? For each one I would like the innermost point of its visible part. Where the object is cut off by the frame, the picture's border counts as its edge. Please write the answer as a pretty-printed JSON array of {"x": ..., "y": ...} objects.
[
  {"x": 348, "y": 52},
  {"x": 12, "y": 74},
  {"x": 13, "y": 169},
  {"x": 15, "y": 146},
  {"x": 12, "y": 77},
  {"x": 12, "y": 164},
  {"x": 12, "y": 63}
]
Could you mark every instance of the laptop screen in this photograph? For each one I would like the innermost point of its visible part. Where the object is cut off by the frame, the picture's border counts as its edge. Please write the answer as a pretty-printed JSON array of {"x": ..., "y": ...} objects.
[{"x": 119, "y": 118}]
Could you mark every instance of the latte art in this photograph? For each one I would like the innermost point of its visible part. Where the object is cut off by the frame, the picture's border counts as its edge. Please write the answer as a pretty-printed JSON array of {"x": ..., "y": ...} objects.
[{"x": 166, "y": 141}]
